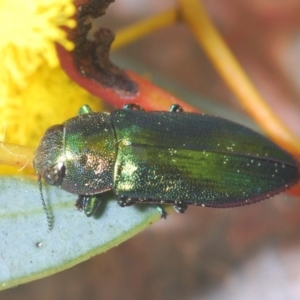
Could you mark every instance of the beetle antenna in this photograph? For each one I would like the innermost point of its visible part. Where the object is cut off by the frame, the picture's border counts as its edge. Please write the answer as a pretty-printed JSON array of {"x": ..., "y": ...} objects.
[{"x": 47, "y": 211}]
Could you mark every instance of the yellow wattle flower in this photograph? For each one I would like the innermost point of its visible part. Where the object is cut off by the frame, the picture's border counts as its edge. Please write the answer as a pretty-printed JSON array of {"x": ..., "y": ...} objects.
[
  {"x": 28, "y": 33},
  {"x": 35, "y": 93}
]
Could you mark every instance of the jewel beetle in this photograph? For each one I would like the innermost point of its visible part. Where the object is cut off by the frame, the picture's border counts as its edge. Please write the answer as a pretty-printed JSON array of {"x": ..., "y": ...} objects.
[{"x": 162, "y": 157}]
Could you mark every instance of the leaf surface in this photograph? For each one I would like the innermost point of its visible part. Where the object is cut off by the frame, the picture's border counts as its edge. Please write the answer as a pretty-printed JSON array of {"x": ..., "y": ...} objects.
[{"x": 28, "y": 251}]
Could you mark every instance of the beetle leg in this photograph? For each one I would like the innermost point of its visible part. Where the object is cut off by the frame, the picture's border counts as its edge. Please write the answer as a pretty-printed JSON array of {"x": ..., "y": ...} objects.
[
  {"x": 125, "y": 201},
  {"x": 176, "y": 108},
  {"x": 84, "y": 109},
  {"x": 132, "y": 106},
  {"x": 162, "y": 212},
  {"x": 88, "y": 203},
  {"x": 180, "y": 207}
]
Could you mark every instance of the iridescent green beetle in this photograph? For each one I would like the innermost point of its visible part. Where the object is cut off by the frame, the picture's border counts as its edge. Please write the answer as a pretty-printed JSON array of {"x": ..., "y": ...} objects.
[{"x": 162, "y": 157}]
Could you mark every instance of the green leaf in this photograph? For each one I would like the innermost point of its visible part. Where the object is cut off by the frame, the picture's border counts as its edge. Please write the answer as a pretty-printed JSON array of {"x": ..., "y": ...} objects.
[{"x": 28, "y": 251}]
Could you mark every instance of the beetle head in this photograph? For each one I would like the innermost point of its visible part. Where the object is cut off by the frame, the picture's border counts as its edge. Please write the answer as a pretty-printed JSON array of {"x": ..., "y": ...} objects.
[{"x": 48, "y": 159}]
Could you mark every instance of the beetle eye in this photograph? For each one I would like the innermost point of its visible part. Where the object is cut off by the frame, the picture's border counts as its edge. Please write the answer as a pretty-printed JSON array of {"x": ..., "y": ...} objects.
[{"x": 55, "y": 174}]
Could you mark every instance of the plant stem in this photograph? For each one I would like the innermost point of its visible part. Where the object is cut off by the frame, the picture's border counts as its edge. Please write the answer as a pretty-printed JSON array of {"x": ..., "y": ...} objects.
[
  {"x": 139, "y": 29},
  {"x": 235, "y": 77},
  {"x": 16, "y": 156}
]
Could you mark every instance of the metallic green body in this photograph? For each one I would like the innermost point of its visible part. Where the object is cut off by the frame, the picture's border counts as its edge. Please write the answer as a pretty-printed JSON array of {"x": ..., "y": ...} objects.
[
  {"x": 168, "y": 157},
  {"x": 162, "y": 157}
]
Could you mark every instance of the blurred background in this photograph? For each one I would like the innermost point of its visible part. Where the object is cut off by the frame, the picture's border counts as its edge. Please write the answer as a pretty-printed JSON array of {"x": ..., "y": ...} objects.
[{"x": 250, "y": 252}]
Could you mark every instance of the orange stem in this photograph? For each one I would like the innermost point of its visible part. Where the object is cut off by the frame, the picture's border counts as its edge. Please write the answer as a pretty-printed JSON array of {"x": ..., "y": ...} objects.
[
  {"x": 233, "y": 74},
  {"x": 140, "y": 29}
]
